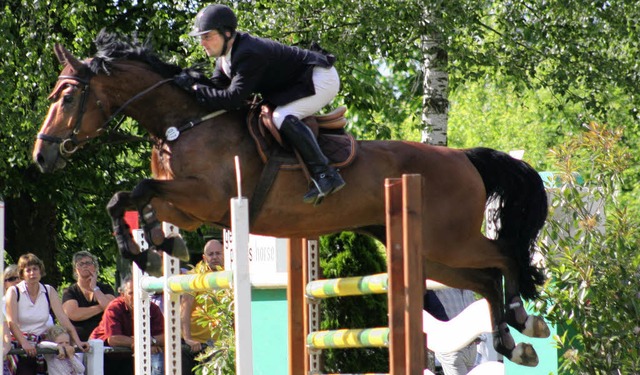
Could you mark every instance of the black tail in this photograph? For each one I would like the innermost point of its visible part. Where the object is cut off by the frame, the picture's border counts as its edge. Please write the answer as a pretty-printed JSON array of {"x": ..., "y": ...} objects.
[{"x": 522, "y": 202}]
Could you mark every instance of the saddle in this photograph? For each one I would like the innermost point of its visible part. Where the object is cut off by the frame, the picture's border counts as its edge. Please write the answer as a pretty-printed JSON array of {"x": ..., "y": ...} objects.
[{"x": 338, "y": 145}]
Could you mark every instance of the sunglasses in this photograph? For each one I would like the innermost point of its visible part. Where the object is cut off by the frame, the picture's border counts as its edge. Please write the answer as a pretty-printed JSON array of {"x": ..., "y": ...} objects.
[{"x": 11, "y": 279}]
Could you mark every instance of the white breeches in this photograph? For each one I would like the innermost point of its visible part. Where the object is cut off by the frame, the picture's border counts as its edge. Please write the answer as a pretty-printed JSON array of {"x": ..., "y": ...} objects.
[{"x": 327, "y": 85}]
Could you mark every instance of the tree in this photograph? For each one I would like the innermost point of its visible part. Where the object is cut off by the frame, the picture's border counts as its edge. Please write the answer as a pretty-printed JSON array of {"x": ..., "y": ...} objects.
[
  {"x": 54, "y": 216},
  {"x": 593, "y": 262}
]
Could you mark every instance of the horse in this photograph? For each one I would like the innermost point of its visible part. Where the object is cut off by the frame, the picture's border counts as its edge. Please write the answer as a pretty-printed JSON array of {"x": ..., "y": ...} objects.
[{"x": 193, "y": 181}]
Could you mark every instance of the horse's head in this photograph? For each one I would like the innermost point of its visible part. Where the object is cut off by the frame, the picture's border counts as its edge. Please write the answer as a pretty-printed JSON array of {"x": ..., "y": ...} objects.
[
  {"x": 124, "y": 75},
  {"x": 75, "y": 116}
]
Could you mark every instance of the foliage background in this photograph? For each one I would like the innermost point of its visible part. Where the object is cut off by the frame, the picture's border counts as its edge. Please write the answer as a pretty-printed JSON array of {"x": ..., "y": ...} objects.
[{"x": 523, "y": 75}]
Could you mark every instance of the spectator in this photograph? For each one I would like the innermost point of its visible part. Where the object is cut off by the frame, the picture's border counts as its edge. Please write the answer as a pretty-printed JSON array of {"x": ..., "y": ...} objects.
[
  {"x": 11, "y": 278},
  {"x": 116, "y": 330},
  {"x": 193, "y": 333},
  {"x": 6, "y": 346},
  {"x": 157, "y": 298},
  {"x": 66, "y": 362},
  {"x": 29, "y": 305},
  {"x": 84, "y": 301},
  {"x": 445, "y": 304},
  {"x": 212, "y": 257}
]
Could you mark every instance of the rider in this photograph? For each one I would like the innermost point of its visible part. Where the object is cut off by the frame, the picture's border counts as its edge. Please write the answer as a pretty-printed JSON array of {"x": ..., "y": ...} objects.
[{"x": 299, "y": 82}]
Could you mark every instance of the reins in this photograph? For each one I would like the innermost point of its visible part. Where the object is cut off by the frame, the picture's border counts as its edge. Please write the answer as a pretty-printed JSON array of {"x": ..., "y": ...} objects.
[
  {"x": 65, "y": 149},
  {"x": 71, "y": 144}
]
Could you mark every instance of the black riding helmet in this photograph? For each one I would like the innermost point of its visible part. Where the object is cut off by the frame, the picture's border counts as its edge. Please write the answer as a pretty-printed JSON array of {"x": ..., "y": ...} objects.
[{"x": 214, "y": 17}]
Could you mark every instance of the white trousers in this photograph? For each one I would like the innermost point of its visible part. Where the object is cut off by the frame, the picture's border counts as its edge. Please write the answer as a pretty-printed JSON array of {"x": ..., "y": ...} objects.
[
  {"x": 459, "y": 362},
  {"x": 327, "y": 85}
]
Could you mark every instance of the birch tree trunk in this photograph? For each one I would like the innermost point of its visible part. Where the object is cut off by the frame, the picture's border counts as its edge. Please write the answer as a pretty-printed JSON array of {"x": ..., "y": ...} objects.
[{"x": 435, "y": 103}]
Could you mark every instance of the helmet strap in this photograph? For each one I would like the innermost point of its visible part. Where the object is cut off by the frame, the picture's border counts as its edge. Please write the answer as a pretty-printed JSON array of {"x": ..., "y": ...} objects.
[{"x": 226, "y": 41}]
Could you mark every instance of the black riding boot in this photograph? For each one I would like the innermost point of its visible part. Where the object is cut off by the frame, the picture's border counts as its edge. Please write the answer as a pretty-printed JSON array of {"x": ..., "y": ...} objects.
[{"x": 326, "y": 179}]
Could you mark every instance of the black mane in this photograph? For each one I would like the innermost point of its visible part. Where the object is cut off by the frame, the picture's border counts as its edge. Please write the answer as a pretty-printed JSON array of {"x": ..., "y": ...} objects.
[{"x": 112, "y": 47}]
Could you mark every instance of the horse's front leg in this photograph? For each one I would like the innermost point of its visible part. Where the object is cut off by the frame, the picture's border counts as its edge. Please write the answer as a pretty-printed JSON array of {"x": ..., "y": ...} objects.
[
  {"x": 142, "y": 196},
  {"x": 149, "y": 261}
]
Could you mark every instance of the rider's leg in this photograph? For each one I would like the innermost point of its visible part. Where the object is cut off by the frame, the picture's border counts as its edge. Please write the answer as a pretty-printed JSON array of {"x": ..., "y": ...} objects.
[{"x": 326, "y": 179}]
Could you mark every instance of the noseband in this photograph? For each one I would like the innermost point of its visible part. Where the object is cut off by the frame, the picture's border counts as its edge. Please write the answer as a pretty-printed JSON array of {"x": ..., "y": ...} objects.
[{"x": 71, "y": 144}]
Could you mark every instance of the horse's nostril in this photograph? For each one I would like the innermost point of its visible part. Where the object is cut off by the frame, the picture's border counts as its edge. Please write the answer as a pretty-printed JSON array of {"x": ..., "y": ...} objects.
[{"x": 40, "y": 161}]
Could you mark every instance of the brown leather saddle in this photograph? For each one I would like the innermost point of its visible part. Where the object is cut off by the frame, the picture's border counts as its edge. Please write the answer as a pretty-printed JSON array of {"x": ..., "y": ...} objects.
[{"x": 338, "y": 145}]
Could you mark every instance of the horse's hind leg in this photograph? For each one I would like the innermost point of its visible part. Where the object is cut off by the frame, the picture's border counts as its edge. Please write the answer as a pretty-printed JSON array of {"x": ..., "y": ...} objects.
[
  {"x": 492, "y": 253},
  {"x": 516, "y": 315},
  {"x": 488, "y": 283}
]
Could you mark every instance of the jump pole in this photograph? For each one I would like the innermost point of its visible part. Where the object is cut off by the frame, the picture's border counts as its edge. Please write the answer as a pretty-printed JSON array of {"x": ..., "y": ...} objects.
[{"x": 404, "y": 336}]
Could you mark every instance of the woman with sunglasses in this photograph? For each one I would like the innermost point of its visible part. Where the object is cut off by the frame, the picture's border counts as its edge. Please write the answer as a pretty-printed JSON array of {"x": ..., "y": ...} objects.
[
  {"x": 11, "y": 278},
  {"x": 84, "y": 301}
]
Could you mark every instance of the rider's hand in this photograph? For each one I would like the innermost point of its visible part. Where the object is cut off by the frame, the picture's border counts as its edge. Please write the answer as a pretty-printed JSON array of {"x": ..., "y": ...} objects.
[{"x": 184, "y": 80}]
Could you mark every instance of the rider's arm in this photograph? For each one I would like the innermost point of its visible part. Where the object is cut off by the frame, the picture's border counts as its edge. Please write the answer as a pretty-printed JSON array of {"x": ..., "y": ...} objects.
[{"x": 248, "y": 71}]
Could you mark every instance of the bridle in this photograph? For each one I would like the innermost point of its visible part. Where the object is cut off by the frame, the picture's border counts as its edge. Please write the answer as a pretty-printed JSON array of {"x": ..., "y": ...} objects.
[{"x": 70, "y": 144}]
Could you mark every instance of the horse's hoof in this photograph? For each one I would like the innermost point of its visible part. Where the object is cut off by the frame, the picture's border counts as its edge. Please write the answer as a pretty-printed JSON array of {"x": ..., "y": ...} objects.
[
  {"x": 525, "y": 355},
  {"x": 153, "y": 263},
  {"x": 174, "y": 245},
  {"x": 535, "y": 326}
]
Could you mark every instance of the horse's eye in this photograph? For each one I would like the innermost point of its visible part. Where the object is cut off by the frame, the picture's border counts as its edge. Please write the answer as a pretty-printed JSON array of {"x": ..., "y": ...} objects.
[{"x": 67, "y": 98}]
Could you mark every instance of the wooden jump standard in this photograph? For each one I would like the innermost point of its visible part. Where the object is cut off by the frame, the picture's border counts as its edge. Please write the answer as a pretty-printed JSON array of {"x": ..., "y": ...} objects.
[{"x": 405, "y": 277}]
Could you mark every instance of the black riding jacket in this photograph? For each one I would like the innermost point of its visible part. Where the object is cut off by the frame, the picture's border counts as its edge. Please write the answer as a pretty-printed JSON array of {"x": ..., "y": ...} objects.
[{"x": 280, "y": 73}]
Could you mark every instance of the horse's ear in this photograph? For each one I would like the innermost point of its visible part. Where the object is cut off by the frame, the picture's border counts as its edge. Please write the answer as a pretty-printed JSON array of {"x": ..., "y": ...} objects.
[{"x": 66, "y": 58}]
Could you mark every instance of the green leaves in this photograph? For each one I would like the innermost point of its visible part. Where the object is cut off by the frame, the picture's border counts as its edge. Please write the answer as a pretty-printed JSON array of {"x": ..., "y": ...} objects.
[{"x": 592, "y": 259}]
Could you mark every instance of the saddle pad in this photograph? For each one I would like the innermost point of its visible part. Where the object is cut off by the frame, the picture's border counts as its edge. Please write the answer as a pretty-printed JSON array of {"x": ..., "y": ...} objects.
[{"x": 339, "y": 147}]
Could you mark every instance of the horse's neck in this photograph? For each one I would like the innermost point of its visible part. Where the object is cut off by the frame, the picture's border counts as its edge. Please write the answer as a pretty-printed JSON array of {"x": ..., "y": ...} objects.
[{"x": 156, "y": 110}]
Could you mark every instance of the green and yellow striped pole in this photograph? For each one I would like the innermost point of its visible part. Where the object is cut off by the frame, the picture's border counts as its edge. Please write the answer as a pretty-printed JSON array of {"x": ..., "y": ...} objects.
[
  {"x": 349, "y": 338},
  {"x": 348, "y": 286},
  {"x": 190, "y": 283}
]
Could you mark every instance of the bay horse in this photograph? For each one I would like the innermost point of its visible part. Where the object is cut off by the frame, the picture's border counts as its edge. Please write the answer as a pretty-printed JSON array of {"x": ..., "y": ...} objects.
[{"x": 194, "y": 181}]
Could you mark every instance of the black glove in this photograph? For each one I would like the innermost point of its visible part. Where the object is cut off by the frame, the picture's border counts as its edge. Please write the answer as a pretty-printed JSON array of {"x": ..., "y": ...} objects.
[{"x": 185, "y": 80}]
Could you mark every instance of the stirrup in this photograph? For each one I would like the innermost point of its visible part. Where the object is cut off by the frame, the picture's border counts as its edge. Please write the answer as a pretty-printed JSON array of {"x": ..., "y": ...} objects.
[{"x": 316, "y": 195}]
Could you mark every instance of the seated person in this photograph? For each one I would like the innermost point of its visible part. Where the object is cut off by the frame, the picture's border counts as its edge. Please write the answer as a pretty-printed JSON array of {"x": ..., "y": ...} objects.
[
  {"x": 116, "y": 329},
  {"x": 84, "y": 301}
]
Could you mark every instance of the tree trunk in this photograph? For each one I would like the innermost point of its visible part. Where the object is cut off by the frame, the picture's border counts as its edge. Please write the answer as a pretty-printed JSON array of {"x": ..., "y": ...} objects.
[
  {"x": 435, "y": 102},
  {"x": 31, "y": 227}
]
